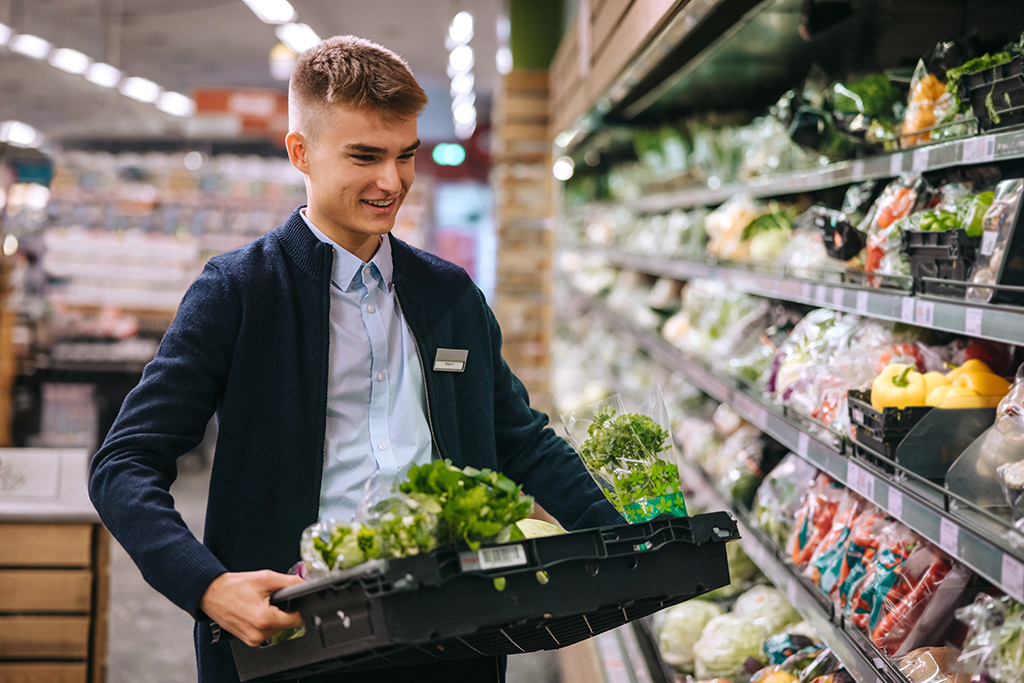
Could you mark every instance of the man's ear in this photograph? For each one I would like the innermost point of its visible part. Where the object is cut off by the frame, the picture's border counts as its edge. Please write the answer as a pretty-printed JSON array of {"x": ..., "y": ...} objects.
[{"x": 298, "y": 151}]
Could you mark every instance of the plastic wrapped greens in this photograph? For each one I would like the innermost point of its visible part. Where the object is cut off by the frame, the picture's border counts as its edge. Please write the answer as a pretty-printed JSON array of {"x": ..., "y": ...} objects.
[
  {"x": 766, "y": 607},
  {"x": 727, "y": 646},
  {"x": 994, "y": 647},
  {"x": 681, "y": 627},
  {"x": 779, "y": 496}
]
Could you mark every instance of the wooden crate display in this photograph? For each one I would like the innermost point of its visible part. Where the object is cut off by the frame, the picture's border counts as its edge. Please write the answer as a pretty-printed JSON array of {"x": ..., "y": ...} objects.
[{"x": 54, "y": 596}]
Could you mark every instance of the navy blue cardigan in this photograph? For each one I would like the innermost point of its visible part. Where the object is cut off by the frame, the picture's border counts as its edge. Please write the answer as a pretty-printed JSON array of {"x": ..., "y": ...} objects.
[{"x": 250, "y": 341}]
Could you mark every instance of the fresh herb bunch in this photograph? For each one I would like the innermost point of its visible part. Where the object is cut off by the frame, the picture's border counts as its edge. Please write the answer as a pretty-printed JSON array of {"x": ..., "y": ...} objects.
[{"x": 625, "y": 449}]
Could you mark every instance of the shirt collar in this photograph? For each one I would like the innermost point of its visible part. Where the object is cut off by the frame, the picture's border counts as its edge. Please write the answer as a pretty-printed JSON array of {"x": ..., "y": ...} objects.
[{"x": 347, "y": 265}]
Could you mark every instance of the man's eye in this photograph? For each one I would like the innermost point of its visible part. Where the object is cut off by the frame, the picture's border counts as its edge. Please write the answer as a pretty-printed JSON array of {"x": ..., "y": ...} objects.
[
  {"x": 366, "y": 158},
  {"x": 407, "y": 157}
]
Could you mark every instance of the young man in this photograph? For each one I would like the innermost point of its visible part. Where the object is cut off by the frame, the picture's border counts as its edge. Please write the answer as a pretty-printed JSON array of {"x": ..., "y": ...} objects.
[{"x": 316, "y": 347}]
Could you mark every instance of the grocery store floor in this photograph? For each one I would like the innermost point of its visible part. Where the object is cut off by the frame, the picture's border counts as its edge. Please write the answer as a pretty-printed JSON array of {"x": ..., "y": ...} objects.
[{"x": 151, "y": 639}]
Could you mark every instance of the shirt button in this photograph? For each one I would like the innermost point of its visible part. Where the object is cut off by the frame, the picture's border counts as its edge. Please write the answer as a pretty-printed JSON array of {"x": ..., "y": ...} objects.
[
  {"x": 380, "y": 376},
  {"x": 370, "y": 308},
  {"x": 382, "y": 446},
  {"x": 366, "y": 271}
]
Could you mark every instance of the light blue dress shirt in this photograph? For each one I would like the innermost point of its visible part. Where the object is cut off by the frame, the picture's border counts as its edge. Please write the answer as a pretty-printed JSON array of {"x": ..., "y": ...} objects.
[{"x": 376, "y": 404}]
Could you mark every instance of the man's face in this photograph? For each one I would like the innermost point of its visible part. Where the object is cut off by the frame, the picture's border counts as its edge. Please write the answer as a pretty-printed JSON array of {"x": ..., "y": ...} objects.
[{"x": 359, "y": 169}]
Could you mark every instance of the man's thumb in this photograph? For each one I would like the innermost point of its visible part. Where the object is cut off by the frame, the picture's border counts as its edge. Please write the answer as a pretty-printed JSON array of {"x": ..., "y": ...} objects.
[{"x": 273, "y": 581}]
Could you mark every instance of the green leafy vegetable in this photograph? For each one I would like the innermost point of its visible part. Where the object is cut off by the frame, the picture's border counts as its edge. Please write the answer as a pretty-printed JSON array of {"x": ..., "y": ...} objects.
[{"x": 953, "y": 76}]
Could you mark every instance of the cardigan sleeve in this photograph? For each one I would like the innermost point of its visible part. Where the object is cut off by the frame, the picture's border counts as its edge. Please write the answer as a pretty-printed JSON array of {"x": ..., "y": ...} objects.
[
  {"x": 532, "y": 454},
  {"x": 163, "y": 418}
]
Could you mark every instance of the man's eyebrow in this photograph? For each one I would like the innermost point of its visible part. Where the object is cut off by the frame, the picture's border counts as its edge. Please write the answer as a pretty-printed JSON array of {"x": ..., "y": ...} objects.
[
  {"x": 360, "y": 148},
  {"x": 411, "y": 148}
]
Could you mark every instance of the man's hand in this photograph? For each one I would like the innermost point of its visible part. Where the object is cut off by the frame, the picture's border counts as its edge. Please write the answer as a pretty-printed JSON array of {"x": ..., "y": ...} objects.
[{"x": 240, "y": 603}]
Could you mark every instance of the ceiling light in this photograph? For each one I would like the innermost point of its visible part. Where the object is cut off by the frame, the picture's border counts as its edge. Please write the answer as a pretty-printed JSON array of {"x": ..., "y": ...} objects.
[
  {"x": 5, "y": 34},
  {"x": 461, "y": 58},
  {"x": 282, "y": 62},
  {"x": 176, "y": 104},
  {"x": 299, "y": 37},
  {"x": 464, "y": 131},
  {"x": 272, "y": 11},
  {"x": 103, "y": 75},
  {"x": 464, "y": 113},
  {"x": 19, "y": 134},
  {"x": 72, "y": 61},
  {"x": 465, "y": 98},
  {"x": 30, "y": 46},
  {"x": 503, "y": 60},
  {"x": 563, "y": 168},
  {"x": 461, "y": 28},
  {"x": 463, "y": 83},
  {"x": 141, "y": 89}
]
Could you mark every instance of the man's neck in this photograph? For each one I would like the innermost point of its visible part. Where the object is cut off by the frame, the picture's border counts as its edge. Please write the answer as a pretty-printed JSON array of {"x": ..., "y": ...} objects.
[{"x": 364, "y": 249}]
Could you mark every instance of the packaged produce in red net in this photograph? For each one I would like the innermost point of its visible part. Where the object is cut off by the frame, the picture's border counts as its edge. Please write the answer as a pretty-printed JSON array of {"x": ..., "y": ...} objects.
[
  {"x": 779, "y": 496},
  {"x": 932, "y": 665},
  {"x": 814, "y": 519},
  {"x": 625, "y": 442},
  {"x": 993, "y": 650},
  {"x": 827, "y": 559}
]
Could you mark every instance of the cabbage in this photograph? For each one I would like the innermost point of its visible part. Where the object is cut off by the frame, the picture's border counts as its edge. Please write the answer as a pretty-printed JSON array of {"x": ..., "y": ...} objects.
[
  {"x": 767, "y": 607},
  {"x": 681, "y": 628},
  {"x": 765, "y": 246},
  {"x": 725, "y": 645}
]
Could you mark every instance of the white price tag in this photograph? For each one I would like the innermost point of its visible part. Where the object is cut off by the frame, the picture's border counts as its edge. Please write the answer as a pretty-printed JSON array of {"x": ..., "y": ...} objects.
[
  {"x": 895, "y": 164},
  {"x": 979, "y": 149},
  {"x": 791, "y": 591},
  {"x": 1013, "y": 577},
  {"x": 806, "y": 291},
  {"x": 924, "y": 313},
  {"x": 802, "y": 443},
  {"x": 907, "y": 310},
  {"x": 496, "y": 557},
  {"x": 895, "y": 506},
  {"x": 920, "y": 160},
  {"x": 857, "y": 172},
  {"x": 949, "y": 537},
  {"x": 972, "y": 321},
  {"x": 988, "y": 242},
  {"x": 838, "y": 294},
  {"x": 862, "y": 302},
  {"x": 821, "y": 294},
  {"x": 853, "y": 475},
  {"x": 858, "y": 416},
  {"x": 761, "y": 417},
  {"x": 867, "y": 485}
]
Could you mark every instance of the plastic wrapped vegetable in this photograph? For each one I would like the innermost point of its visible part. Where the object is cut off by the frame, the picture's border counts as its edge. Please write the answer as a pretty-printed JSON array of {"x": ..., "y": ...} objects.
[
  {"x": 928, "y": 104},
  {"x": 730, "y": 648},
  {"x": 781, "y": 646},
  {"x": 827, "y": 561},
  {"x": 859, "y": 553},
  {"x": 766, "y": 607},
  {"x": 681, "y": 627},
  {"x": 994, "y": 647},
  {"x": 779, "y": 496},
  {"x": 932, "y": 665},
  {"x": 814, "y": 519}
]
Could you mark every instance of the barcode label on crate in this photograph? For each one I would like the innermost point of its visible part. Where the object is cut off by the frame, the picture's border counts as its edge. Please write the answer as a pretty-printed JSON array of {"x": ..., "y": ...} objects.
[
  {"x": 980, "y": 149},
  {"x": 972, "y": 321},
  {"x": 949, "y": 536},
  {"x": 920, "y": 160},
  {"x": 858, "y": 416},
  {"x": 988, "y": 242},
  {"x": 1013, "y": 577},
  {"x": 895, "y": 503},
  {"x": 497, "y": 557},
  {"x": 895, "y": 164},
  {"x": 924, "y": 314}
]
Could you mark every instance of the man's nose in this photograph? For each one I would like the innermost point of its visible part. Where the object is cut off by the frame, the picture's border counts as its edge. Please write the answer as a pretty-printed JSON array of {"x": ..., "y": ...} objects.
[{"x": 390, "y": 181}]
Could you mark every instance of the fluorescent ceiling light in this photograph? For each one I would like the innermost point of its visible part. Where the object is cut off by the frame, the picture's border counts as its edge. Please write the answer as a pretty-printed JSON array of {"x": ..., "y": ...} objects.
[
  {"x": 141, "y": 89},
  {"x": 5, "y": 34},
  {"x": 465, "y": 131},
  {"x": 463, "y": 83},
  {"x": 464, "y": 114},
  {"x": 299, "y": 37},
  {"x": 19, "y": 134},
  {"x": 176, "y": 104},
  {"x": 465, "y": 98},
  {"x": 30, "y": 46},
  {"x": 503, "y": 60},
  {"x": 103, "y": 75},
  {"x": 272, "y": 11},
  {"x": 72, "y": 61},
  {"x": 461, "y": 28},
  {"x": 461, "y": 58}
]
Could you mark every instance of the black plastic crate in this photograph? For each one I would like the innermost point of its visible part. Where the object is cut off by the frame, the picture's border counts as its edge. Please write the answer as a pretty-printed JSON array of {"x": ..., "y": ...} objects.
[
  {"x": 445, "y": 605},
  {"x": 946, "y": 255},
  {"x": 881, "y": 431},
  {"x": 996, "y": 94}
]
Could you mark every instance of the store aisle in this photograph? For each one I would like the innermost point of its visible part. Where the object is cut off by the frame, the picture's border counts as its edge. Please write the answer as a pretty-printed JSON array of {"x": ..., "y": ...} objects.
[{"x": 151, "y": 639}]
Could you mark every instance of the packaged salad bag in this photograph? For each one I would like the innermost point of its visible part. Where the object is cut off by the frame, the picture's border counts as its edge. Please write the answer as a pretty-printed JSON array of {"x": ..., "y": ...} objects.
[{"x": 625, "y": 441}]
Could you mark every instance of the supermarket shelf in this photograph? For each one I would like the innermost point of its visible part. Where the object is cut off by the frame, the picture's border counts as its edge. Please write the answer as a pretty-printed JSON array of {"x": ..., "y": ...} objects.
[
  {"x": 998, "y": 323},
  {"x": 995, "y": 147},
  {"x": 995, "y": 552},
  {"x": 867, "y": 665}
]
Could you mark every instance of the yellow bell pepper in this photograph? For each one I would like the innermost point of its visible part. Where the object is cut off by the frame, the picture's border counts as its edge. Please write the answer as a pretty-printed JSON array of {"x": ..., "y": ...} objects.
[
  {"x": 932, "y": 380},
  {"x": 898, "y": 386},
  {"x": 937, "y": 395},
  {"x": 954, "y": 397},
  {"x": 972, "y": 365},
  {"x": 985, "y": 383}
]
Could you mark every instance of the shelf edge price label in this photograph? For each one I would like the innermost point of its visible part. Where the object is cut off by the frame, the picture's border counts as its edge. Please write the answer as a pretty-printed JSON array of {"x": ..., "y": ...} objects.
[
  {"x": 924, "y": 313},
  {"x": 806, "y": 291},
  {"x": 802, "y": 443},
  {"x": 949, "y": 536},
  {"x": 895, "y": 164},
  {"x": 857, "y": 171},
  {"x": 1013, "y": 577},
  {"x": 972, "y": 321},
  {"x": 862, "y": 302},
  {"x": 791, "y": 591},
  {"x": 838, "y": 296},
  {"x": 907, "y": 309},
  {"x": 979, "y": 149},
  {"x": 920, "y": 160},
  {"x": 821, "y": 294},
  {"x": 895, "y": 503}
]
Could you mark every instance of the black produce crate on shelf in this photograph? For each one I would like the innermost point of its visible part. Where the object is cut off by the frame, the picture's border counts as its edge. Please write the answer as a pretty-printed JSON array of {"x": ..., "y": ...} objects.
[
  {"x": 947, "y": 255},
  {"x": 996, "y": 94},
  {"x": 881, "y": 431},
  {"x": 445, "y": 605}
]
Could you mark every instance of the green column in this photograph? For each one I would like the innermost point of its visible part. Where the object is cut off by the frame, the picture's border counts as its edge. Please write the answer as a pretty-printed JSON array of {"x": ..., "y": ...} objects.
[{"x": 537, "y": 28}]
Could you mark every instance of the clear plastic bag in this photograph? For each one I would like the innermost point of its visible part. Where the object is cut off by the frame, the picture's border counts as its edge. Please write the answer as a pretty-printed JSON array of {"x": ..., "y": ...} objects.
[
  {"x": 932, "y": 665},
  {"x": 779, "y": 496},
  {"x": 994, "y": 646},
  {"x": 814, "y": 519},
  {"x": 928, "y": 104},
  {"x": 999, "y": 223},
  {"x": 625, "y": 442}
]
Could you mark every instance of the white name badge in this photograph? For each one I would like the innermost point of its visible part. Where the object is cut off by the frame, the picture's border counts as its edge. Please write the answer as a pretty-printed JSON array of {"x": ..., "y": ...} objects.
[{"x": 450, "y": 360}]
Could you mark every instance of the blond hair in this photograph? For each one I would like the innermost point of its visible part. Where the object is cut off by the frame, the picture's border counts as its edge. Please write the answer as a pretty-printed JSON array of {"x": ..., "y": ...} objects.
[{"x": 350, "y": 71}]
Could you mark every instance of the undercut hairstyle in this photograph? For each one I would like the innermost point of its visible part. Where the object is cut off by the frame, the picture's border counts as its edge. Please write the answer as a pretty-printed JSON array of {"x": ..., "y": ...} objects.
[{"x": 346, "y": 70}]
